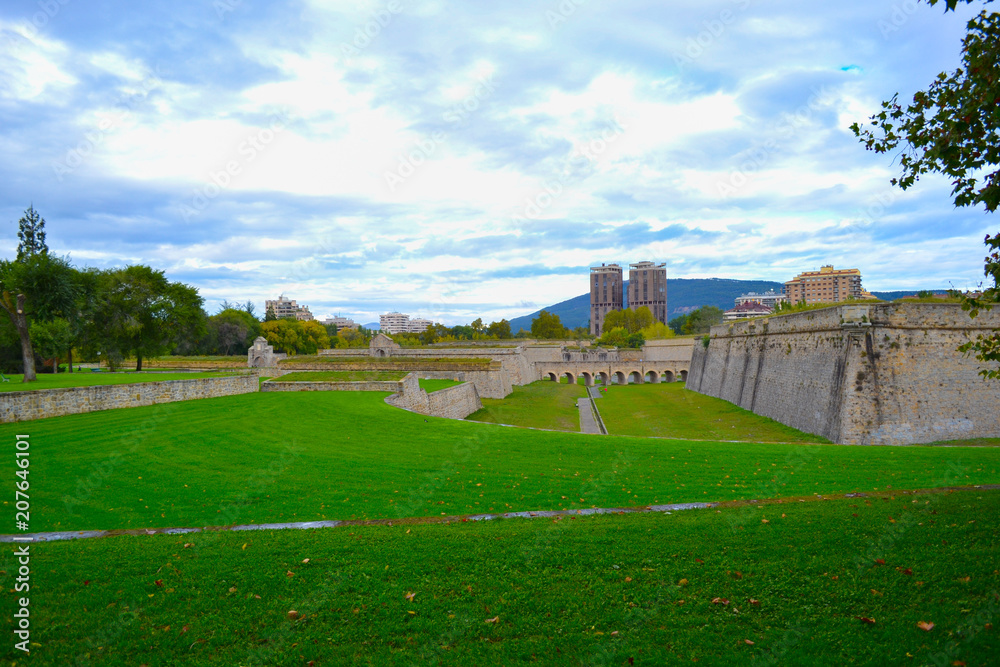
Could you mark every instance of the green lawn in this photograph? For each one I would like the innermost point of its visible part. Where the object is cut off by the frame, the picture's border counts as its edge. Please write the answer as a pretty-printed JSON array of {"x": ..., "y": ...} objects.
[
  {"x": 342, "y": 376},
  {"x": 435, "y": 385},
  {"x": 542, "y": 404},
  {"x": 668, "y": 410},
  {"x": 821, "y": 583},
  {"x": 302, "y": 456},
  {"x": 87, "y": 379}
]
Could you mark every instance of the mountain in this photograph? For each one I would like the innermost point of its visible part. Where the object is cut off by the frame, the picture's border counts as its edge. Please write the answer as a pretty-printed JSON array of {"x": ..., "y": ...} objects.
[{"x": 683, "y": 296}]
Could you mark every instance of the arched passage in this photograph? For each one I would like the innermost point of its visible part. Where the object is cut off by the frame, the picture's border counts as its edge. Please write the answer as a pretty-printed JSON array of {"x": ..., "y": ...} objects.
[
  {"x": 553, "y": 377},
  {"x": 684, "y": 376},
  {"x": 619, "y": 377},
  {"x": 668, "y": 376},
  {"x": 652, "y": 377},
  {"x": 605, "y": 378},
  {"x": 570, "y": 378},
  {"x": 588, "y": 379},
  {"x": 635, "y": 377}
]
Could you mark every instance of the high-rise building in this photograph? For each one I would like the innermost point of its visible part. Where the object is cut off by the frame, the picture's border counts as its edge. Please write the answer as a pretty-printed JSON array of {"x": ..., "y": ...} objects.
[
  {"x": 341, "y": 322},
  {"x": 418, "y": 325},
  {"x": 390, "y": 323},
  {"x": 605, "y": 294},
  {"x": 284, "y": 307},
  {"x": 828, "y": 285},
  {"x": 647, "y": 286}
]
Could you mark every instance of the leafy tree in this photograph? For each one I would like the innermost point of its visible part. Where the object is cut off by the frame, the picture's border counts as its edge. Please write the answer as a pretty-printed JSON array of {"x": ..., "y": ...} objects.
[
  {"x": 270, "y": 316},
  {"x": 52, "y": 337},
  {"x": 657, "y": 331},
  {"x": 40, "y": 287},
  {"x": 31, "y": 234},
  {"x": 140, "y": 312},
  {"x": 631, "y": 320},
  {"x": 953, "y": 128},
  {"x": 250, "y": 309},
  {"x": 615, "y": 337},
  {"x": 547, "y": 325},
  {"x": 293, "y": 336},
  {"x": 700, "y": 320},
  {"x": 233, "y": 330},
  {"x": 500, "y": 329},
  {"x": 477, "y": 325},
  {"x": 635, "y": 340}
]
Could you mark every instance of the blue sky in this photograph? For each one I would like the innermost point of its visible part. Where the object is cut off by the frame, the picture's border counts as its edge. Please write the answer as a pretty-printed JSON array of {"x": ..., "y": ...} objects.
[{"x": 456, "y": 160}]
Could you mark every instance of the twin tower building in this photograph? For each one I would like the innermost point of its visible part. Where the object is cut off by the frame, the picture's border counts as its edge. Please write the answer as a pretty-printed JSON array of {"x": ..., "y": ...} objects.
[{"x": 647, "y": 286}]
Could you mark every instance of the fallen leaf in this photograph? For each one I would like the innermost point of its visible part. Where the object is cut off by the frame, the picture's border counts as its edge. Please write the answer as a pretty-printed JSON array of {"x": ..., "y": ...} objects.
[
  {"x": 86, "y": 582},
  {"x": 614, "y": 634},
  {"x": 722, "y": 601},
  {"x": 495, "y": 619},
  {"x": 245, "y": 546},
  {"x": 292, "y": 614},
  {"x": 627, "y": 579},
  {"x": 698, "y": 560},
  {"x": 782, "y": 516},
  {"x": 764, "y": 521},
  {"x": 875, "y": 592},
  {"x": 289, "y": 574},
  {"x": 409, "y": 596},
  {"x": 682, "y": 582},
  {"x": 925, "y": 626},
  {"x": 185, "y": 629},
  {"x": 748, "y": 642},
  {"x": 159, "y": 582},
  {"x": 879, "y": 561},
  {"x": 306, "y": 560},
  {"x": 188, "y": 545},
  {"x": 737, "y": 574},
  {"x": 865, "y": 619},
  {"x": 754, "y": 602}
]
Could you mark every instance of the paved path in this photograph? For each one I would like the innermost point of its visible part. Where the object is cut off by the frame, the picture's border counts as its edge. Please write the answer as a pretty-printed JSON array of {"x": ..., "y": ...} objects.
[{"x": 588, "y": 424}]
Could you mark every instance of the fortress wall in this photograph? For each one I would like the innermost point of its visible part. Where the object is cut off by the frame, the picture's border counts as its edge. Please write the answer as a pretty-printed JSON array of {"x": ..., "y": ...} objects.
[
  {"x": 18, "y": 406},
  {"x": 864, "y": 374}
]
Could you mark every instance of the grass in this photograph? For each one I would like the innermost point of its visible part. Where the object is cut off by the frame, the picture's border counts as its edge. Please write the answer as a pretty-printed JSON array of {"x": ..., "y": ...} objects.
[
  {"x": 668, "y": 410},
  {"x": 85, "y": 379},
  {"x": 720, "y": 588},
  {"x": 542, "y": 404},
  {"x": 342, "y": 376},
  {"x": 435, "y": 385},
  {"x": 339, "y": 455}
]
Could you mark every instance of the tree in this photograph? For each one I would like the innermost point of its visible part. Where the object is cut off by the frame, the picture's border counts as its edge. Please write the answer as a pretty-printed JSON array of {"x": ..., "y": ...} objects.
[
  {"x": 953, "y": 128},
  {"x": 629, "y": 319},
  {"x": 233, "y": 329},
  {"x": 699, "y": 321},
  {"x": 270, "y": 315},
  {"x": 140, "y": 312},
  {"x": 31, "y": 234},
  {"x": 40, "y": 287},
  {"x": 547, "y": 325},
  {"x": 250, "y": 309},
  {"x": 500, "y": 329},
  {"x": 478, "y": 325},
  {"x": 52, "y": 337}
]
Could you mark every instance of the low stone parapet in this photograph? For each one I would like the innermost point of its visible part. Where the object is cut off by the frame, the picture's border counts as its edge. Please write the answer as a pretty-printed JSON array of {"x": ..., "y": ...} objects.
[
  {"x": 456, "y": 402},
  {"x": 373, "y": 385}
]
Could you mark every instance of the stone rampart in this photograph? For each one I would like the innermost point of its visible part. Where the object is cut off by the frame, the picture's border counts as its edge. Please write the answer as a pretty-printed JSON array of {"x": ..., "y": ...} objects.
[
  {"x": 374, "y": 385},
  {"x": 455, "y": 402},
  {"x": 18, "y": 406},
  {"x": 862, "y": 374}
]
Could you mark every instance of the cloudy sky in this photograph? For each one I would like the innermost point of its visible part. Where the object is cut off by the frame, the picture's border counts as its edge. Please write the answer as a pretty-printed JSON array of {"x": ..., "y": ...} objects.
[{"x": 463, "y": 159}]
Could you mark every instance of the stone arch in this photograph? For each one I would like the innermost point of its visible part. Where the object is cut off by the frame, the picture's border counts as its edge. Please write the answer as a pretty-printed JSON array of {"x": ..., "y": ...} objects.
[
  {"x": 588, "y": 379},
  {"x": 380, "y": 353},
  {"x": 553, "y": 377},
  {"x": 651, "y": 377},
  {"x": 605, "y": 378},
  {"x": 635, "y": 377},
  {"x": 668, "y": 376},
  {"x": 570, "y": 378},
  {"x": 684, "y": 376}
]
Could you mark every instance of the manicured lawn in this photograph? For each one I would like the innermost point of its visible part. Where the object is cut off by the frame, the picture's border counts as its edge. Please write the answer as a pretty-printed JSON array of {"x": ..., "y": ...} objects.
[
  {"x": 800, "y": 584},
  {"x": 668, "y": 410},
  {"x": 542, "y": 404},
  {"x": 87, "y": 379},
  {"x": 434, "y": 385},
  {"x": 342, "y": 376},
  {"x": 304, "y": 456}
]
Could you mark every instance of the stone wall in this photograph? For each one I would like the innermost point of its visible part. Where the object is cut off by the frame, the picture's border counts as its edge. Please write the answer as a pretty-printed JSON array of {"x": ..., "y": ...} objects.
[
  {"x": 453, "y": 402},
  {"x": 374, "y": 385},
  {"x": 864, "y": 374},
  {"x": 17, "y": 406}
]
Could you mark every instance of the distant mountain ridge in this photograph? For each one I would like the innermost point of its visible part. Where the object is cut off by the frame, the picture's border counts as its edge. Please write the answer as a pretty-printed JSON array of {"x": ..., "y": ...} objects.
[{"x": 683, "y": 296}]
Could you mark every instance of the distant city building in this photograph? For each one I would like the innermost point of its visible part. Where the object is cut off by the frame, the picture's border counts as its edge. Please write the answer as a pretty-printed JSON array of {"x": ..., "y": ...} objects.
[
  {"x": 605, "y": 294},
  {"x": 828, "y": 285},
  {"x": 769, "y": 298},
  {"x": 284, "y": 307},
  {"x": 418, "y": 325},
  {"x": 647, "y": 284},
  {"x": 747, "y": 309},
  {"x": 341, "y": 323}
]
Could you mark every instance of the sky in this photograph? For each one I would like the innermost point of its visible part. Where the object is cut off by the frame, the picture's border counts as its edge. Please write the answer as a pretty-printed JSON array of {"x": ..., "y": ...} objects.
[{"x": 455, "y": 160}]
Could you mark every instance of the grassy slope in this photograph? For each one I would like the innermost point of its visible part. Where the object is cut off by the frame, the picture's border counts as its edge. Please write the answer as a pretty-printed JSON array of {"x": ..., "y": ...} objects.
[
  {"x": 342, "y": 376},
  {"x": 434, "y": 385},
  {"x": 601, "y": 590},
  {"x": 62, "y": 380},
  {"x": 340, "y": 455},
  {"x": 668, "y": 410},
  {"x": 542, "y": 404}
]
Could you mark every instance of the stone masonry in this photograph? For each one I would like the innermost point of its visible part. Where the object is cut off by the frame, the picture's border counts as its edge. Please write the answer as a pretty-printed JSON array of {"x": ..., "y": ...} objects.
[{"x": 885, "y": 374}]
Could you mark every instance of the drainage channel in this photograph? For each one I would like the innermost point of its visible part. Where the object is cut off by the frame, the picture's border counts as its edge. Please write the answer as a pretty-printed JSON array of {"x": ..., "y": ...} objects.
[{"x": 539, "y": 514}]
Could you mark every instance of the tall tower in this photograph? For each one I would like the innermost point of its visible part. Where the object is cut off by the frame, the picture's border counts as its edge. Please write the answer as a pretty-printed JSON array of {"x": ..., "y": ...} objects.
[
  {"x": 605, "y": 294},
  {"x": 647, "y": 285}
]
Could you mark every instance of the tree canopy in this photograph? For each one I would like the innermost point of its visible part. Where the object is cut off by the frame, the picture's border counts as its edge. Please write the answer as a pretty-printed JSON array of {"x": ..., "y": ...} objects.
[
  {"x": 31, "y": 234},
  {"x": 547, "y": 325},
  {"x": 953, "y": 128}
]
